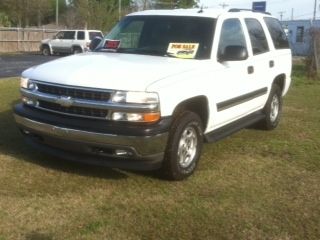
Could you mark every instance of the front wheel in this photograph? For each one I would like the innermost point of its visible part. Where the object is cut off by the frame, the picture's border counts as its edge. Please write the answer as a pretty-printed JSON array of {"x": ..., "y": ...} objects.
[
  {"x": 272, "y": 109},
  {"x": 46, "y": 51},
  {"x": 184, "y": 146}
]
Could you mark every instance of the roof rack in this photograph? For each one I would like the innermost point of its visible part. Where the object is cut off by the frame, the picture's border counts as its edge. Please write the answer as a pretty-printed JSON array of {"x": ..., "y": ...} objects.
[{"x": 245, "y": 9}]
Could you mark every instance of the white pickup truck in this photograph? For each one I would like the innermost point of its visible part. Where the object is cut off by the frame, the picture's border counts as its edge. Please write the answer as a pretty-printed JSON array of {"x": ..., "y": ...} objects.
[{"x": 160, "y": 84}]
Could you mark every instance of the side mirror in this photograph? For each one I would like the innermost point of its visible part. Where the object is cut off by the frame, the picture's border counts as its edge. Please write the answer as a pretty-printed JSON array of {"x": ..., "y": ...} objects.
[
  {"x": 94, "y": 43},
  {"x": 234, "y": 53}
]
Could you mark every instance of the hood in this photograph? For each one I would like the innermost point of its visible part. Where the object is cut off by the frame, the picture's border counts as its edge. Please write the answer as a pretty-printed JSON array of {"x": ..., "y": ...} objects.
[
  {"x": 110, "y": 70},
  {"x": 45, "y": 40}
]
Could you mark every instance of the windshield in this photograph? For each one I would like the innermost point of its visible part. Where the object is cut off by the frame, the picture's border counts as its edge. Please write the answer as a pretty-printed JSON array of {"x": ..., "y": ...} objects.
[{"x": 164, "y": 36}]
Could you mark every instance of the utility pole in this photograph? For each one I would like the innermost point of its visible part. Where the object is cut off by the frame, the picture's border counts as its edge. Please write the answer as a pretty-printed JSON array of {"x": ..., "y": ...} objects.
[
  {"x": 119, "y": 3},
  {"x": 57, "y": 13},
  {"x": 315, "y": 10},
  {"x": 291, "y": 13},
  {"x": 223, "y": 5},
  {"x": 281, "y": 14}
]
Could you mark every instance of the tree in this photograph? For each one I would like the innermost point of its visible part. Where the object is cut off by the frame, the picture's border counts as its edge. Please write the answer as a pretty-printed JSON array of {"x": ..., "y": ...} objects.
[
  {"x": 98, "y": 14},
  {"x": 24, "y": 13},
  {"x": 169, "y": 4},
  {"x": 4, "y": 20}
]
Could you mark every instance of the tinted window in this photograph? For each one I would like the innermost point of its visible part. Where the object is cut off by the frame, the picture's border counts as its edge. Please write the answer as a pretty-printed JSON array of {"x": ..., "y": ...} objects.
[
  {"x": 278, "y": 36},
  {"x": 92, "y": 35},
  {"x": 151, "y": 35},
  {"x": 69, "y": 35},
  {"x": 80, "y": 35},
  {"x": 257, "y": 36},
  {"x": 231, "y": 35}
]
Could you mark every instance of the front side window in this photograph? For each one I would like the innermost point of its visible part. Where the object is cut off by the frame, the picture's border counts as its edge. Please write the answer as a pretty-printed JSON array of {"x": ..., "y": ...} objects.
[
  {"x": 257, "y": 36},
  {"x": 152, "y": 35},
  {"x": 231, "y": 35},
  {"x": 279, "y": 37}
]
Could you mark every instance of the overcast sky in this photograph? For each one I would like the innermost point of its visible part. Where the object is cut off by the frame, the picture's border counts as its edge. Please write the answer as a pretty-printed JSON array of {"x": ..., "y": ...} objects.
[{"x": 302, "y": 9}]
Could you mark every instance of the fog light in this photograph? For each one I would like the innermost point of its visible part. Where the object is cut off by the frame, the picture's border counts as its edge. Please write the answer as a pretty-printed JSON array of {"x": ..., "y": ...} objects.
[
  {"x": 26, "y": 132},
  {"x": 136, "y": 117},
  {"x": 29, "y": 101},
  {"x": 121, "y": 152}
]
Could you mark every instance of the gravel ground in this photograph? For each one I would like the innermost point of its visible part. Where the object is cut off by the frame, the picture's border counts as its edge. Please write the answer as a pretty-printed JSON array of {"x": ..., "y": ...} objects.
[{"x": 13, "y": 65}]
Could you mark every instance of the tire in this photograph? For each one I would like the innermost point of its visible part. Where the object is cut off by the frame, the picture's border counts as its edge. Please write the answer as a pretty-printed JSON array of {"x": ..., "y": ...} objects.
[
  {"x": 76, "y": 50},
  {"x": 184, "y": 146},
  {"x": 272, "y": 109},
  {"x": 45, "y": 51}
]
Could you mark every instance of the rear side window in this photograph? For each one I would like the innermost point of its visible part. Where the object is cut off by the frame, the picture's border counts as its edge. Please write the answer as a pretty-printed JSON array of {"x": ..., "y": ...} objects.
[
  {"x": 279, "y": 37},
  {"x": 257, "y": 36},
  {"x": 80, "y": 35},
  {"x": 92, "y": 35},
  {"x": 231, "y": 35}
]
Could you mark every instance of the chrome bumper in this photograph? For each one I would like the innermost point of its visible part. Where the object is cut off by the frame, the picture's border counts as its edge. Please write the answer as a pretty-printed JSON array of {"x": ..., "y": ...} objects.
[{"x": 141, "y": 146}]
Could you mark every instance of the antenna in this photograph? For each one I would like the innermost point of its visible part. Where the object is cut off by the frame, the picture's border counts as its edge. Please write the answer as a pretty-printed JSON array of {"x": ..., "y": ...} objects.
[
  {"x": 223, "y": 5},
  {"x": 281, "y": 14},
  {"x": 201, "y": 9}
]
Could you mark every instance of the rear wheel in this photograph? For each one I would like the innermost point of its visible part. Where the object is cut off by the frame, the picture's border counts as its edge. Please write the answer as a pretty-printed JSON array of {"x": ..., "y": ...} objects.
[
  {"x": 184, "y": 146},
  {"x": 272, "y": 109},
  {"x": 76, "y": 50}
]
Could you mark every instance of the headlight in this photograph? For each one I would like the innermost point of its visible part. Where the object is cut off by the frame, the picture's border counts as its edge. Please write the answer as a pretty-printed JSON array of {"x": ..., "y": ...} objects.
[
  {"x": 143, "y": 98},
  {"x": 26, "y": 83},
  {"x": 135, "y": 97}
]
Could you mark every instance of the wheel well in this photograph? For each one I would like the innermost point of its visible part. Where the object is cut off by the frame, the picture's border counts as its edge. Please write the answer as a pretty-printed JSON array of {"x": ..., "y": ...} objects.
[
  {"x": 280, "y": 81},
  {"x": 198, "y": 105},
  {"x": 44, "y": 45},
  {"x": 76, "y": 47}
]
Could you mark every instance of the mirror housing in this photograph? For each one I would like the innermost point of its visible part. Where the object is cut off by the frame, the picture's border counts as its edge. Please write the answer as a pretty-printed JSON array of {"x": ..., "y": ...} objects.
[
  {"x": 233, "y": 53},
  {"x": 94, "y": 43}
]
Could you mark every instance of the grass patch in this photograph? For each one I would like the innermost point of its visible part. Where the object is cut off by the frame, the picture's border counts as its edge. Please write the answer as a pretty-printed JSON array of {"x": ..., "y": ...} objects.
[{"x": 253, "y": 185}]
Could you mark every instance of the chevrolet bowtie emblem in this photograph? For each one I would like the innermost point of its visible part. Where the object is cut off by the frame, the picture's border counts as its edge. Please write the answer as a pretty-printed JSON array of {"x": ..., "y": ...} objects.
[{"x": 65, "y": 101}]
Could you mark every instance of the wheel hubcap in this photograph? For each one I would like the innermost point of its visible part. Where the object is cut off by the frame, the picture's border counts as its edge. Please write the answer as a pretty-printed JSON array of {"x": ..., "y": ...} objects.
[
  {"x": 187, "y": 147},
  {"x": 274, "y": 111}
]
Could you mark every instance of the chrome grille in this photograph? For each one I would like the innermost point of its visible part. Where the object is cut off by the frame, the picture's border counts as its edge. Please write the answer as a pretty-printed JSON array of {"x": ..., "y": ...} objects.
[
  {"x": 79, "y": 111},
  {"x": 60, "y": 91},
  {"x": 74, "y": 92}
]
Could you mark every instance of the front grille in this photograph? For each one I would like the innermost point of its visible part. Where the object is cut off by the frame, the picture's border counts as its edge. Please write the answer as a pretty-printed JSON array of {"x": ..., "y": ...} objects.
[
  {"x": 84, "y": 94},
  {"x": 74, "y": 92},
  {"x": 80, "y": 111}
]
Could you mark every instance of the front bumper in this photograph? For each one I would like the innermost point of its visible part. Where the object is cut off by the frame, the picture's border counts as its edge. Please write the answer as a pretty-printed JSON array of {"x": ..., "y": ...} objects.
[{"x": 141, "y": 151}]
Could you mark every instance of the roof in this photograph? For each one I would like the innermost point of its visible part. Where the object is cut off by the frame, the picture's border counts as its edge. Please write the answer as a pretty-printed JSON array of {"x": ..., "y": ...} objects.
[
  {"x": 213, "y": 13},
  {"x": 197, "y": 12}
]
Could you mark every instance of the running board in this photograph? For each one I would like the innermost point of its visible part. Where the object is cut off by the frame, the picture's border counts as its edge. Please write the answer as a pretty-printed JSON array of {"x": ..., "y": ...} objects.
[{"x": 233, "y": 127}]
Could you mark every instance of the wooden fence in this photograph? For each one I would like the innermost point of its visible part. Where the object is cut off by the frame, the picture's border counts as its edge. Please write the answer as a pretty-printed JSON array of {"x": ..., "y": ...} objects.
[{"x": 23, "y": 39}]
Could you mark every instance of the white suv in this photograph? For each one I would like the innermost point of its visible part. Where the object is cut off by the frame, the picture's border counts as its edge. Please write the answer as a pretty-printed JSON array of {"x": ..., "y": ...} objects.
[
  {"x": 69, "y": 41},
  {"x": 160, "y": 84}
]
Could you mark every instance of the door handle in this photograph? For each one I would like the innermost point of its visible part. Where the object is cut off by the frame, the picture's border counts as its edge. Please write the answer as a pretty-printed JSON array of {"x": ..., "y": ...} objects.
[
  {"x": 271, "y": 64},
  {"x": 250, "y": 69}
]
